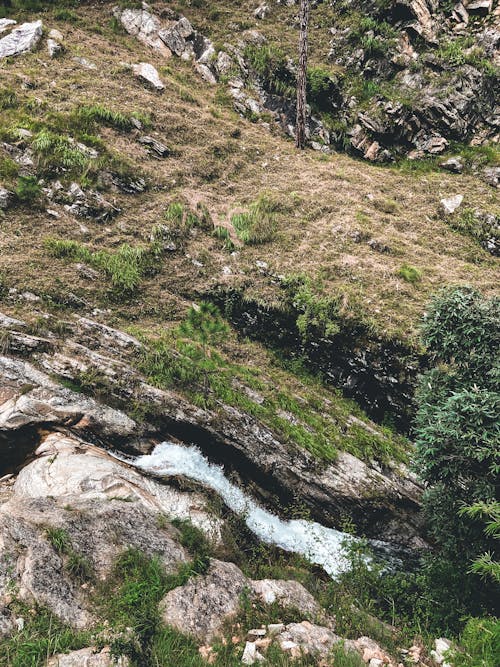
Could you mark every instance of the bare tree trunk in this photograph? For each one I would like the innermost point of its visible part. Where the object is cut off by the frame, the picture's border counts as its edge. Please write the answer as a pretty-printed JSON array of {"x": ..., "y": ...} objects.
[{"x": 300, "y": 129}]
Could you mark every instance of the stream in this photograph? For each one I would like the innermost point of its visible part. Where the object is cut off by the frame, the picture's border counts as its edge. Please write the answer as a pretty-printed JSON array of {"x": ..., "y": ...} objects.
[{"x": 320, "y": 545}]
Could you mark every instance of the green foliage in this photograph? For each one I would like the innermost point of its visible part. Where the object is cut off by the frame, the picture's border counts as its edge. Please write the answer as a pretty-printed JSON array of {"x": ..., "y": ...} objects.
[
  {"x": 125, "y": 267},
  {"x": 97, "y": 113},
  {"x": 319, "y": 315},
  {"x": 43, "y": 636},
  {"x": 129, "y": 599},
  {"x": 28, "y": 190},
  {"x": 409, "y": 273},
  {"x": 486, "y": 565},
  {"x": 59, "y": 539},
  {"x": 479, "y": 644},
  {"x": 56, "y": 152},
  {"x": 457, "y": 428},
  {"x": 463, "y": 51},
  {"x": 271, "y": 64},
  {"x": 258, "y": 224}
]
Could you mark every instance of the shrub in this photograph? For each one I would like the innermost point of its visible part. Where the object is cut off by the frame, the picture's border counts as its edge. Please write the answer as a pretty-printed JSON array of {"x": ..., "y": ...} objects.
[
  {"x": 409, "y": 273},
  {"x": 457, "y": 429},
  {"x": 479, "y": 644},
  {"x": 258, "y": 224},
  {"x": 125, "y": 267},
  {"x": 28, "y": 190}
]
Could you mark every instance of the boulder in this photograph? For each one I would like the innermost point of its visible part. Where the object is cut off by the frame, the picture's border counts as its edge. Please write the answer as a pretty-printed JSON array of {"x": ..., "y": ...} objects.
[
  {"x": 251, "y": 655},
  {"x": 479, "y": 7},
  {"x": 453, "y": 164},
  {"x": 419, "y": 15},
  {"x": 54, "y": 48},
  {"x": 155, "y": 147},
  {"x": 305, "y": 638},
  {"x": 441, "y": 646},
  {"x": 202, "y": 606},
  {"x": 176, "y": 36},
  {"x": 492, "y": 176},
  {"x": 288, "y": 594},
  {"x": 5, "y": 198},
  {"x": 143, "y": 25},
  {"x": 88, "y": 657},
  {"x": 149, "y": 75},
  {"x": 6, "y": 24},
  {"x": 449, "y": 205},
  {"x": 21, "y": 39},
  {"x": 261, "y": 12}
]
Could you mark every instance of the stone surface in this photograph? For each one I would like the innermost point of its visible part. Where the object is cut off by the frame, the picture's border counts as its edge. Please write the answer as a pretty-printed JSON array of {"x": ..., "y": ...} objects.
[
  {"x": 149, "y": 75},
  {"x": 143, "y": 25},
  {"x": 88, "y": 657},
  {"x": 54, "y": 48},
  {"x": 5, "y": 198},
  {"x": 21, "y": 39},
  {"x": 201, "y": 606},
  {"x": 155, "y": 146},
  {"x": 289, "y": 594},
  {"x": 454, "y": 164},
  {"x": 307, "y": 638},
  {"x": 449, "y": 205}
]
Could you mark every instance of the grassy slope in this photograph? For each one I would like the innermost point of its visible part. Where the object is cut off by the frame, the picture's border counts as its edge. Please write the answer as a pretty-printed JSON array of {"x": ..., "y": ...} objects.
[{"x": 330, "y": 200}]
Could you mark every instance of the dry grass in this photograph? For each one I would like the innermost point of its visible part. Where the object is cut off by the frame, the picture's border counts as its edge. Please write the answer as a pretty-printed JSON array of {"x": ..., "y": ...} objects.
[{"x": 333, "y": 205}]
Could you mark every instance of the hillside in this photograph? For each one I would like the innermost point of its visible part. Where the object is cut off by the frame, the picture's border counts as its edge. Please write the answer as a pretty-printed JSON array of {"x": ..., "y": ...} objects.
[{"x": 146, "y": 165}]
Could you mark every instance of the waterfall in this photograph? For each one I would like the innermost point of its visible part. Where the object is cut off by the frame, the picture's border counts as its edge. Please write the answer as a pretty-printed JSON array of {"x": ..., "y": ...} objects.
[{"x": 320, "y": 545}]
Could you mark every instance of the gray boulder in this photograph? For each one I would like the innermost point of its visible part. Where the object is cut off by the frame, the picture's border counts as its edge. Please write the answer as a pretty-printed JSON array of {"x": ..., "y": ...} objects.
[
  {"x": 149, "y": 75},
  {"x": 201, "y": 607},
  {"x": 88, "y": 657},
  {"x": 5, "y": 198},
  {"x": 21, "y": 39}
]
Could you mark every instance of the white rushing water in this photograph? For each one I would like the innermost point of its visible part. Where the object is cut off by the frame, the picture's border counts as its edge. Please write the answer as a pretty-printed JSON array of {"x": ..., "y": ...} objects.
[{"x": 320, "y": 545}]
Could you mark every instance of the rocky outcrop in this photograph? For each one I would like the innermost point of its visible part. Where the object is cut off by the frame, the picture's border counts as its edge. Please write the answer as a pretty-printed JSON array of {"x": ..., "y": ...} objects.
[
  {"x": 384, "y": 503},
  {"x": 21, "y": 39}
]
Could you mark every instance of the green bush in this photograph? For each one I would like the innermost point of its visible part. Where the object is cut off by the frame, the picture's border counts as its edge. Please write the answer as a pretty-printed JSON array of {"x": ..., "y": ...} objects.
[
  {"x": 409, "y": 273},
  {"x": 125, "y": 267},
  {"x": 28, "y": 190},
  {"x": 258, "y": 224},
  {"x": 479, "y": 644},
  {"x": 457, "y": 428}
]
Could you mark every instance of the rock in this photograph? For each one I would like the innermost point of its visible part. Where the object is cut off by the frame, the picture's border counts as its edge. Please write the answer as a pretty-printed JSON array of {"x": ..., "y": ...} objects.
[
  {"x": 441, "y": 646},
  {"x": 7, "y": 622},
  {"x": 88, "y": 657},
  {"x": 155, "y": 146},
  {"x": 87, "y": 64},
  {"x": 56, "y": 35},
  {"x": 275, "y": 628},
  {"x": 454, "y": 164},
  {"x": 492, "y": 176},
  {"x": 251, "y": 655},
  {"x": 5, "y": 198},
  {"x": 175, "y": 37},
  {"x": 6, "y": 24},
  {"x": 54, "y": 48},
  {"x": 315, "y": 640},
  {"x": 419, "y": 13},
  {"x": 149, "y": 75},
  {"x": 201, "y": 606},
  {"x": 261, "y": 12},
  {"x": 450, "y": 205},
  {"x": 289, "y": 594},
  {"x": 479, "y": 7},
  {"x": 143, "y": 25},
  {"x": 21, "y": 39},
  {"x": 50, "y": 403},
  {"x": 206, "y": 73},
  {"x": 370, "y": 650},
  {"x": 90, "y": 204},
  {"x": 224, "y": 64}
]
